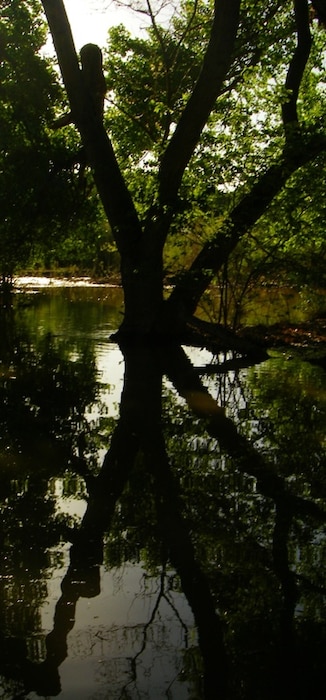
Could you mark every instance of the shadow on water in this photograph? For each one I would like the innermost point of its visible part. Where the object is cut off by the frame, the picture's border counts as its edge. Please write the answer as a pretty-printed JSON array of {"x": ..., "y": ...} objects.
[{"x": 218, "y": 487}]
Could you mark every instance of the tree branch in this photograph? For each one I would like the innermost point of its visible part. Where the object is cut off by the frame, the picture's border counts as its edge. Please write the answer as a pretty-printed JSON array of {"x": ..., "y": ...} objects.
[
  {"x": 200, "y": 104},
  {"x": 110, "y": 183},
  {"x": 184, "y": 298},
  {"x": 297, "y": 64}
]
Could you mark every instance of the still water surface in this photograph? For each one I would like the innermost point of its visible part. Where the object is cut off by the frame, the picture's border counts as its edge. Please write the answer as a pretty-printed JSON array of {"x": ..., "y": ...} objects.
[{"x": 162, "y": 520}]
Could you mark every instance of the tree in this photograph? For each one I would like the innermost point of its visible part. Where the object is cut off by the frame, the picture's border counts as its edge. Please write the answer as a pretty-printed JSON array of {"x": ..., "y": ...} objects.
[{"x": 241, "y": 45}]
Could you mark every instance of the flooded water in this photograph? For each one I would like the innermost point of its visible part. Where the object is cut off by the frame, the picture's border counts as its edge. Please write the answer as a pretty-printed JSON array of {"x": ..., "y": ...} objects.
[{"x": 162, "y": 513}]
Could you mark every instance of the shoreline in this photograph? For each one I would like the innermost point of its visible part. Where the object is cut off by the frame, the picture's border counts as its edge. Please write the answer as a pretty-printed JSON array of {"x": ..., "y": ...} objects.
[{"x": 302, "y": 338}]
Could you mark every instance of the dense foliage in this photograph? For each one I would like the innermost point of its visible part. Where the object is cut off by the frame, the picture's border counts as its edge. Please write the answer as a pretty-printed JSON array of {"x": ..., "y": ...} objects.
[{"x": 45, "y": 199}]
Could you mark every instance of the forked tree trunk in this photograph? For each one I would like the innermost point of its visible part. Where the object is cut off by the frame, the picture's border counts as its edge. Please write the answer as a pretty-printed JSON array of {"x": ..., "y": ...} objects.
[{"x": 141, "y": 245}]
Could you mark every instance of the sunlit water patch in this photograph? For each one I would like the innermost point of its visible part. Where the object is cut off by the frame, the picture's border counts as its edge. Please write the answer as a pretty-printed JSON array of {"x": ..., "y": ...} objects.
[{"x": 131, "y": 638}]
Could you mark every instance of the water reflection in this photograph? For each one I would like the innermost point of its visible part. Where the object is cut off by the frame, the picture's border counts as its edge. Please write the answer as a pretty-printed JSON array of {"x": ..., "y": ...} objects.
[{"x": 175, "y": 549}]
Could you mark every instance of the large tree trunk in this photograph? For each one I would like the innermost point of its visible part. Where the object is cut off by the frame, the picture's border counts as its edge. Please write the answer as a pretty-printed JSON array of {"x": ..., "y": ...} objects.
[{"x": 143, "y": 283}]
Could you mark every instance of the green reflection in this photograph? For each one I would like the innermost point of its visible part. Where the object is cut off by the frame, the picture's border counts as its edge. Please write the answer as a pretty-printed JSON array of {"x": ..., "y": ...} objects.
[
  {"x": 208, "y": 511},
  {"x": 46, "y": 383}
]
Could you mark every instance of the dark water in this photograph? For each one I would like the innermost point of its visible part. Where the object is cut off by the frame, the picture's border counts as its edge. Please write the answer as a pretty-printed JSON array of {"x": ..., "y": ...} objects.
[{"x": 162, "y": 521}]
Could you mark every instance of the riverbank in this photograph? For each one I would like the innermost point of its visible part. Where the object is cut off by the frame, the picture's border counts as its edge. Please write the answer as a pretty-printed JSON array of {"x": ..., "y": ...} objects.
[{"x": 307, "y": 338}]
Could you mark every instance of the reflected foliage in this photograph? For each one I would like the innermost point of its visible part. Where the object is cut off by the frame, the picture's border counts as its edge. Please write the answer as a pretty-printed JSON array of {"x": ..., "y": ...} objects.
[
  {"x": 212, "y": 482},
  {"x": 45, "y": 387},
  {"x": 263, "y": 556}
]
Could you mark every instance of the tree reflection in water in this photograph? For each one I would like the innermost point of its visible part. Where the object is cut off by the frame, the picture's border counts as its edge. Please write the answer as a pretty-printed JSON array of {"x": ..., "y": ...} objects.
[{"x": 208, "y": 493}]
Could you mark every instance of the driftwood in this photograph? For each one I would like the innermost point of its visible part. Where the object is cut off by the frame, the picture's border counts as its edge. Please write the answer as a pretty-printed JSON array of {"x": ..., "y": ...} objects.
[{"x": 217, "y": 338}]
